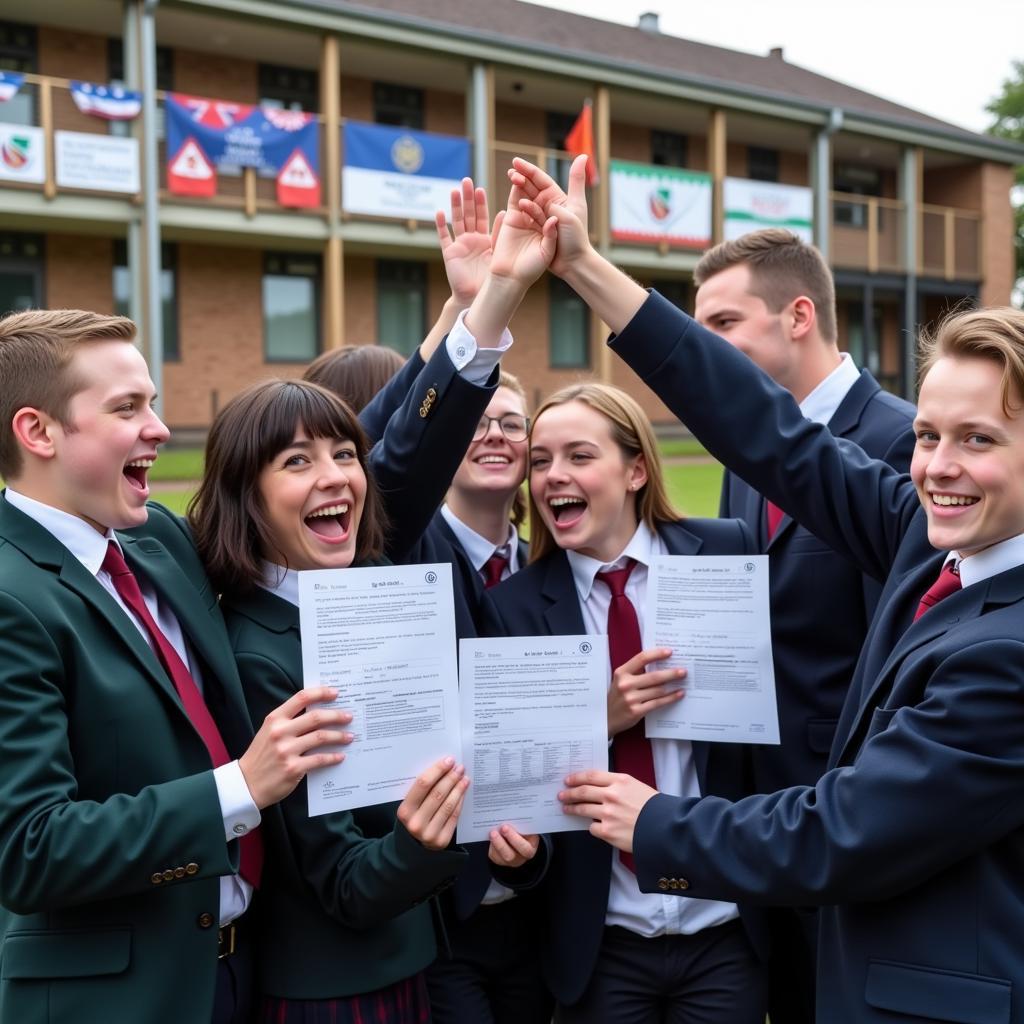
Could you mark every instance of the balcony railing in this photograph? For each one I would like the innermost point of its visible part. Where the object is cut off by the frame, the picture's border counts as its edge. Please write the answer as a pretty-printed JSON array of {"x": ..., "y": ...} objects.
[{"x": 949, "y": 243}]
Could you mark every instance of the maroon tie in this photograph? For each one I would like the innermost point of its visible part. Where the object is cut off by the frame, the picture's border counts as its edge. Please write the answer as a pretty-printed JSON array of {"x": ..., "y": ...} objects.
[
  {"x": 631, "y": 748},
  {"x": 947, "y": 583},
  {"x": 127, "y": 587},
  {"x": 492, "y": 570},
  {"x": 773, "y": 516}
]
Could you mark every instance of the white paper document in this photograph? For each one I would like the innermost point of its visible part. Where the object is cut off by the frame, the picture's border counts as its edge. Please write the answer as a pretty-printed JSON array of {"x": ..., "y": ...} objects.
[
  {"x": 712, "y": 611},
  {"x": 534, "y": 709},
  {"x": 385, "y": 637}
]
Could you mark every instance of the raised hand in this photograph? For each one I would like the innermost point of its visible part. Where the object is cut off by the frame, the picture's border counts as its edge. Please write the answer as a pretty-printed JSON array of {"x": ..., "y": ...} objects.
[
  {"x": 525, "y": 246},
  {"x": 634, "y": 691},
  {"x": 430, "y": 810},
  {"x": 467, "y": 255},
  {"x": 509, "y": 849}
]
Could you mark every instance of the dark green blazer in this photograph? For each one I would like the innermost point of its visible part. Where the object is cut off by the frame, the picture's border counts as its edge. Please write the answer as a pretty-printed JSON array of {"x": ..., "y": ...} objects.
[
  {"x": 344, "y": 904},
  {"x": 111, "y": 836}
]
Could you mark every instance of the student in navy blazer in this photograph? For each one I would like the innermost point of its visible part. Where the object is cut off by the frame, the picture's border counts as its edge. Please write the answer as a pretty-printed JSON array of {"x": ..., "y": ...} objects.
[
  {"x": 771, "y": 295},
  {"x": 913, "y": 840},
  {"x": 597, "y": 497}
]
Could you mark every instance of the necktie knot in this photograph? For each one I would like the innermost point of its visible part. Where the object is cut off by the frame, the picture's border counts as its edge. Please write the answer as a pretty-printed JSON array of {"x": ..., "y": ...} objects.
[
  {"x": 615, "y": 579},
  {"x": 113, "y": 561},
  {"x": 948, "y": 583},
  {"x": 493, "y": 569}
]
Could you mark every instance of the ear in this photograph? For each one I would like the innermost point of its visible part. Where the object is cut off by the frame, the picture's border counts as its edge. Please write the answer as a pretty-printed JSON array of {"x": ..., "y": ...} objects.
[
  {"x": 637, "y": 473},
  {"x": 803, "y": 318},
  {"x": 33, "y": 430}
]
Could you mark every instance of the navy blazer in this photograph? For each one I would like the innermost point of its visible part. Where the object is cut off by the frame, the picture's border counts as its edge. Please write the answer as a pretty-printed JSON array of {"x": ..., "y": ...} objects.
[
  {"x": 821, "y": 603},
  {"x": 913, "y": 842},
  {"x": 541, "y": 600}
]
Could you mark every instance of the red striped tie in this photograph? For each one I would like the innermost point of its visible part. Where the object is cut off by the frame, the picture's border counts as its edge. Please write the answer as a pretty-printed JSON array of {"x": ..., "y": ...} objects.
[
  {"x": 127, "y": 587},
  {"x": 631, "y": 748}
]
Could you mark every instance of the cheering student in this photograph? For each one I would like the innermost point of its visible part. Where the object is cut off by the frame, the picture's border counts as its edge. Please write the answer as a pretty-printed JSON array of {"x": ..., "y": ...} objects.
[{"x": 912, "y": 841}]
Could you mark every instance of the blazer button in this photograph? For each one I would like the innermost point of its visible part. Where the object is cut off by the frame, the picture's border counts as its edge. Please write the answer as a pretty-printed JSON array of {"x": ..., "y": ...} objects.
[
  {"x": 673, "y": 884},
  {"x": 431, "y": 394},
  {"x": 179, "y": 872},
  {"x": 423, "y": 412},
  {"x": 205, "y": 920},
  {"x": 157, "y": 877},
  {"x": 683, "y": 883},
  {"x": 663, "y": 884},
  {"x": 191, "y": 869},
  {"x": 169, "y": 875}
]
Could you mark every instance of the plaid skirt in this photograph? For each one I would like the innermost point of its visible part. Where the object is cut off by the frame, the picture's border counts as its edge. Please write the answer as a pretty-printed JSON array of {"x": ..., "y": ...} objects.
[{"x": 405, "y": 1002}]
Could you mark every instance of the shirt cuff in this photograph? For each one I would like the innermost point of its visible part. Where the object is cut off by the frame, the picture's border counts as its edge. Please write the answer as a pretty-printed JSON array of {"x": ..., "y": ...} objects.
[
  {"x": 473, "y": 363},
  {"x": 240, "y": 814}
]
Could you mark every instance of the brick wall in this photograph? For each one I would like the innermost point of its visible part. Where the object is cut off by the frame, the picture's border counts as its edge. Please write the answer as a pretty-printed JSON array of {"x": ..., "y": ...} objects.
[
  {"x": 997, "y": 257},
  {"x": 66, "y": 54},
  {"x": 79, "y": 273}
]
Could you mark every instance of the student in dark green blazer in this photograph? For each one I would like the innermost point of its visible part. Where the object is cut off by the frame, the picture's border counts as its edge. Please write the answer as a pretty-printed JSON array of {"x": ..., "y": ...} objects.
[
  {"x": 119, "y": 860},
  {"x": 344, "y": 928}
]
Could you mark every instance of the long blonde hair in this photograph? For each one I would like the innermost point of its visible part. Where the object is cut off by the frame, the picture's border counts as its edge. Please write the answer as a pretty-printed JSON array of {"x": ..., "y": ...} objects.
[{"x": 633, "y": 433}]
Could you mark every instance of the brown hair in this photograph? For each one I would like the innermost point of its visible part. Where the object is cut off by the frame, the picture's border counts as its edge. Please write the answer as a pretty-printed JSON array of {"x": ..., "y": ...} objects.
[
  {"x": 994, "y": 334},
  {"x": 36, "y": 349},
  {"x": 355, "y": 372},
  {"x": 782, "y": 268},
  {"x": 519, "y": 507},
  {"x": 227, "y": 515},
  {"x": 633, "y": 433}
]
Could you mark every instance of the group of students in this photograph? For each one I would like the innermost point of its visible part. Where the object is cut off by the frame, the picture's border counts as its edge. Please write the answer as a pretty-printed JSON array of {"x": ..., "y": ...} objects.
[{"x": 157, "y": 860}]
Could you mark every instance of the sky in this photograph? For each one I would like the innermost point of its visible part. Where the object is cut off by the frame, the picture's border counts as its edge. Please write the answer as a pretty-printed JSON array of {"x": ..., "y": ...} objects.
[{"x": 946, "y": 58}]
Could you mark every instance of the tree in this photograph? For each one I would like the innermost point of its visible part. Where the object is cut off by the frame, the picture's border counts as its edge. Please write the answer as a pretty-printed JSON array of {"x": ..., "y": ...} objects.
[{"x": 1008, "y": 110}]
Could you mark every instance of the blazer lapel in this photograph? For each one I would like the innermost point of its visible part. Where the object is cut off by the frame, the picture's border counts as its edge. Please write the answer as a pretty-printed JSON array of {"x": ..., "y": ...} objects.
[{"x": 562, "y": 615}]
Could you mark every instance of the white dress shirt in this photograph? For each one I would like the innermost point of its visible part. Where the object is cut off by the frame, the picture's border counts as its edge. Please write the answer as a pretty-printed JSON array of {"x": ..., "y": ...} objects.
[
  {"x": 675, "y": 772},
  {"x": 821, "y": 404},
  {"x": 478, "y": 548},
  {"x": 472, "y": 362},
  {"x": 1007, "y": 554},
  {"x": 240, "y": 814}
]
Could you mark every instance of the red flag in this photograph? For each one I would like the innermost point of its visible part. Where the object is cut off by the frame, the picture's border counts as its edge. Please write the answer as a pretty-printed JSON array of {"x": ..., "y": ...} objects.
[
  {"x": 297, "y": 184},
  {"x": 581, "y": 140},
  {"x": 189, "y": 173}
]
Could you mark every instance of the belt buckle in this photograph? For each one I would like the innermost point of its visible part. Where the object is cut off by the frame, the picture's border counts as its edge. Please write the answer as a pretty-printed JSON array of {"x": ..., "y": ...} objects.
[{"x": 226, "y": 941}]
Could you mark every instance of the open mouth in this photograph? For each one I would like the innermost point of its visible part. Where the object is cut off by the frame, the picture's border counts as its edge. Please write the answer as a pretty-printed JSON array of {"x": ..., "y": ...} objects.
[
  {"x": 331, "y": 523},
  {"x": 137, "y": 472},
  {"x": 953, "y": 501},
  {"x": 493, "y": 460},
  {"x": 567, "y": 511}
]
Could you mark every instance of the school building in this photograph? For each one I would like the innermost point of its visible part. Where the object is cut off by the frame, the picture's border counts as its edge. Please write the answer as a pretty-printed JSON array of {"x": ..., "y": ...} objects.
[{"x": 693, "y": 144}]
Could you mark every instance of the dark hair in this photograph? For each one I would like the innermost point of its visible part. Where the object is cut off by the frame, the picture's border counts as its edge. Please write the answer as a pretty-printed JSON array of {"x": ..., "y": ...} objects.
[
  {"x": 782, "y": 267},
  {"x": 226, "y": 514},
  {"x": 356, "y": 372},
  {"x": 36, "y": 349}
]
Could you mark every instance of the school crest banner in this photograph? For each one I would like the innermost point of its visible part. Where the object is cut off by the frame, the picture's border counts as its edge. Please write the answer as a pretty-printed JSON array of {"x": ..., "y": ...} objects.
[
  {"x": 752, "y": 205},
  {"x": 394, "y": 172},
  {"x": 660, "y": 204}
]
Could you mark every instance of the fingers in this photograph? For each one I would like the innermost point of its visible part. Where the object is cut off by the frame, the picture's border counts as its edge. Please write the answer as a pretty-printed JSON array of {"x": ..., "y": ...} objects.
[
  {"x": 444, "y": 238},
  {"x": 639, "y": 662},
  {"x": 510, "y": 849},
  {"x": 431, "y": 817},
  {"x": 499, "y": 219},
  {"x": 578, "y": 180},
  {"x": 302, "y": 699},
  {"x": 425, "y": 782},
  {"x": 591, "y": 777},
  {"x": 458, "y": 213},
  {"x": 535, "y": 179},
  {"x": 483, "y": 218}
]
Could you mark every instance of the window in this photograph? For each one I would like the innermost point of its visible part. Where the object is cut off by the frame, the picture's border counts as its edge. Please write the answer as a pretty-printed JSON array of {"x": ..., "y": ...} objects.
[
  {"x": 289, "y": 88},
  {"x": 668, "y": 149},
  {"x": 400, "y": 105},
  {"x": 557, "y": 126},
  {"x": 858, "y": 181},
  {"x": 164, "y": 81},
  {"x": 401, "y": 304},
  {"x": 568, "y": 327},
  {"x": 18, "y": 53},
  {"x": 21, "y": 271},
  {"x": 762, "y": 164},
  {"x": 168, "y": 293},
  {"x": 291, "y": 307}
]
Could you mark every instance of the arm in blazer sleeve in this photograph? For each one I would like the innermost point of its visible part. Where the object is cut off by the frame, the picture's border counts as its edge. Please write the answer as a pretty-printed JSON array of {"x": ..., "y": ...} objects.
[
  {"x": 359, "y": 880},
  {"x": 425, "y": 440},
  {"x": 859, "y": 507},
  {"x": 59, "y": 848},
  {"x": 873, "y": 829},
  {"x": 375, "y": 415}
]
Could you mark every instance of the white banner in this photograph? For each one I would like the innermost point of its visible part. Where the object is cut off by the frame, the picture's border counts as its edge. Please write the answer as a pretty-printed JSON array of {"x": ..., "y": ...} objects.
[
  {"x": 103, "y": 163},
  {"x": 660, "y": 204},
  {"x": 393, "y": 194},
  {"x": 22, "y": 153},
  {"x": 752, "y": 205}
]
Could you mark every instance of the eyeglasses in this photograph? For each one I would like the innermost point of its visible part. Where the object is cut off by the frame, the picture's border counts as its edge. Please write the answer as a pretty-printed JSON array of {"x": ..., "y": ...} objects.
[{"x": 515, "y": 428}]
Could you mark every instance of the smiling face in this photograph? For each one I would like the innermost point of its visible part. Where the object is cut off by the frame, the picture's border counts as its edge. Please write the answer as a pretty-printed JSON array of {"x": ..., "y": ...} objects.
[
  {"x": 583, "y": 485},
  {"x": 103, "y": 453},
  {"x": 968, "y": 465},
  {"x": 494, "y": 465},
  {"x": 726, "y": 306},
  {"x": 313, "y": 493}
]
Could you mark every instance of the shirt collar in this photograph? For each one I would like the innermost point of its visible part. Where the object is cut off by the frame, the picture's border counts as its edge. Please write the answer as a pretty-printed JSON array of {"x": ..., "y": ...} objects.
[
  {"x": 478, "y": 548},
  {"x": 1007, "y": 554},
  {"x": 85, "y": 543},
  {"x": 643, "y": 546},
  {"x": 282, "y": 582},
  {"x": 821, "y": 404}
]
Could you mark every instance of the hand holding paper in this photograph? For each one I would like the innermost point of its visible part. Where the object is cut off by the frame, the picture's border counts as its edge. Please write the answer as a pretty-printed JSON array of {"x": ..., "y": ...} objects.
[
  {"x": 509, "y": 849},
  {"x": 613, "y": 800},
  {"x": 635, "y": 691},
  {"x": 431, "y": 808}
]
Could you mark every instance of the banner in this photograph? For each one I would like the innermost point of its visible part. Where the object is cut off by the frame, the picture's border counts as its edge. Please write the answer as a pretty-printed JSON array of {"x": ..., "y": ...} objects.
[
  {"x": 104, "y": 163},
  {"x": 22, "y": 153},
  {"x": 204, "y": 135},
  {"x": 752, "y": 205},
  {"x": 394, "y": 172},
  {"x": 10, "y": 83},
  {"x": 660, "y": 204},
  {"x": 110, "y": 102}
]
